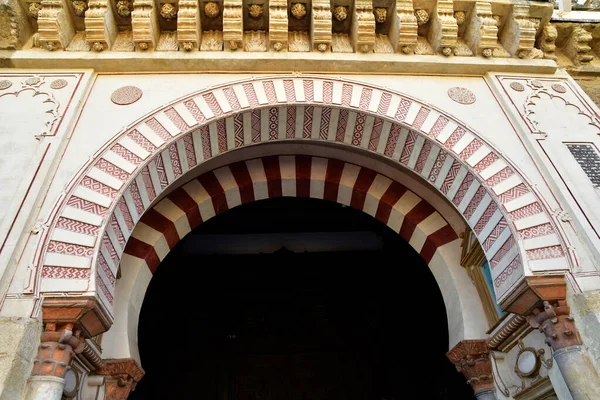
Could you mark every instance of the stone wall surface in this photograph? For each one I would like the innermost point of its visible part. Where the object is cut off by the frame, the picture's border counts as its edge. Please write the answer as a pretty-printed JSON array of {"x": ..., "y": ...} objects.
[
  {"x": 19, "y": 339},
  {"x": 52, "y": 124}
]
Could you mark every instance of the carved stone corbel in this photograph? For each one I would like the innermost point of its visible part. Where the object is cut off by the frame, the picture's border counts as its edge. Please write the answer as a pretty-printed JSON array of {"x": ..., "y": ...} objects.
[
  {"x": 320, "y": 25},
  {"x": 100, "y": 25},
  {"x": 278, "y": 25},
  {"x": 403, "y": 27},
  {"x": 55, "y": 26},
  {"x": 518, "y": 36},
  {"x": 233, "y": 24},
  {"x": 188, "y": 25},
  {"x": 443, "y": 32},
  {"x": 577, "y": 46},
  {"x": 481, "y": 33},
  {"x": 547, "y": 40},
  {"x": 144, "y": 24},
  {"x": 363, "y": 27},
  {"x": 472, "y": 359},
  {"x": 15, "y": 27}
]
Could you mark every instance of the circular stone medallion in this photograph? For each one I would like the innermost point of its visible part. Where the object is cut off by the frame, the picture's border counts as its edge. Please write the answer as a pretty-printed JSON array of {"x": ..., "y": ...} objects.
[
  {"x": 558, "y": 88},
  {"x": 58, "y": 84},
  {"x": 461, "y": 95},
  {"x": 5, "y": 84},
  {"x": 517, "y": 86},
  {"x": 126, "y": 95}
]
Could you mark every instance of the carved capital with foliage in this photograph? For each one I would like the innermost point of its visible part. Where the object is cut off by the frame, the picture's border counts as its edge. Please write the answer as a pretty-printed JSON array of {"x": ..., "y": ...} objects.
[{"x": 472, "y": 359}]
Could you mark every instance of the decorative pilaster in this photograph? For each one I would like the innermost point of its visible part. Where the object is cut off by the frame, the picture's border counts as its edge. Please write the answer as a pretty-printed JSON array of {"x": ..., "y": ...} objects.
[
  {"x": 577, "y": 47},
  {"x": 100, "y": 25},
  {"x": 404, "y": 27},
  {"x": 562, "y": 335},
  {"x": 55, "y": 26},
  {"x": 472, "y": 359},
  {"x": 278, "y": 25},
  {"x": 320, "y": 25},
  {"x": 443, "y": 33},
  {"x": 121, "y": 377},
  {"x": 518, "y": 36},
  {"x": 59, "y": 344},
  {"x": 481, "y": 34},
  {"x": 233, "y": 24},
  {"x": 363, "y": 27},
  {"x": 144, "y": 24},
  {"x": 188, "y": 25}
]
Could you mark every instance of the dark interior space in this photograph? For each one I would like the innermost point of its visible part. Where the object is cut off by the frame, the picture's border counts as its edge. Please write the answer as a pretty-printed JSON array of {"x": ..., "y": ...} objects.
[{"x": 221, "y": 322}]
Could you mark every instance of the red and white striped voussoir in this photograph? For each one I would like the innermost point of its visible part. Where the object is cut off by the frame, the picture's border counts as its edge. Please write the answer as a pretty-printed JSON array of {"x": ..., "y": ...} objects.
[
  {"x": 115, "y": 189},
  {"x": 161, "y": 228}
]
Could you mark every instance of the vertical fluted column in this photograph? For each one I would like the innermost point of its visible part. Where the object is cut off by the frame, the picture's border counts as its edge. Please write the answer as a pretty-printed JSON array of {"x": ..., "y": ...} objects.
[
  {"x": 561, "y": 334},
  {"x": 472, "y": 359}
]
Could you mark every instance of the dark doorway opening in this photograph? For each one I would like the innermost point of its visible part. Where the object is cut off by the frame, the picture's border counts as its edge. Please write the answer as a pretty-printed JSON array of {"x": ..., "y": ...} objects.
[{"x": 335, "y": 306}]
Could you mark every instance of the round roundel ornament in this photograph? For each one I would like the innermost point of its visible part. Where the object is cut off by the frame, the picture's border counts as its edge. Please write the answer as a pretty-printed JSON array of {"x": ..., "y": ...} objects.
[
  {"x": 126, "y": 95},
  {"x": 462, "y": 95}
]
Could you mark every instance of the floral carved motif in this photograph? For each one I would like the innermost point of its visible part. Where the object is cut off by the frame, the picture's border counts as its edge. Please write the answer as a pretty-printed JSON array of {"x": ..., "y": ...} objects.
[
  {"x": 472, "y": 359},
  {"x": 462, "y": 95}
]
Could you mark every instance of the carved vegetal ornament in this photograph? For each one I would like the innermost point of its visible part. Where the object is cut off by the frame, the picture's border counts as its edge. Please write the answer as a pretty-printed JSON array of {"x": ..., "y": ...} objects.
[{"x": 472, "y": 359}]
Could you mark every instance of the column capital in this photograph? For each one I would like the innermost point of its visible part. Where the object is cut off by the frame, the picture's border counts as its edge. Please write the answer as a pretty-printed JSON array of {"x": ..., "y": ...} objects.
[
  {"x": 556, "y": 323},
  {"x": 121, "y": 377},
  {"x": 472, "y": 359},
  {"x": 59, "y": 343}
]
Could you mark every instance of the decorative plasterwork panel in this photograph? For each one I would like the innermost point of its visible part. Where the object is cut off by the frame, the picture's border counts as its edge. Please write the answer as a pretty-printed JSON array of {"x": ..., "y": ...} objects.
[
  {"x": 117, "y": 187},
  {"x": 549, "y": 105}
]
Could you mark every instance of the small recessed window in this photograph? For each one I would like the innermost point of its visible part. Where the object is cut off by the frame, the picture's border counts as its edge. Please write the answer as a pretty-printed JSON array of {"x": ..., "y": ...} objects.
[{"x": 588, "y": 158}]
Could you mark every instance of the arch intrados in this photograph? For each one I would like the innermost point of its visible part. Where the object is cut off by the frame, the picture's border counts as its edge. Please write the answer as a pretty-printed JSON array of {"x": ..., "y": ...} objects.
[
  {"x": 413, "y": 218},
  {"x": 420, "y": 120}
]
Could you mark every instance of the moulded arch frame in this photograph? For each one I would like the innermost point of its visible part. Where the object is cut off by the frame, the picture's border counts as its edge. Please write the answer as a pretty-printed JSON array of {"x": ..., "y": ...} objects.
[{"x": 111, "y": 193}]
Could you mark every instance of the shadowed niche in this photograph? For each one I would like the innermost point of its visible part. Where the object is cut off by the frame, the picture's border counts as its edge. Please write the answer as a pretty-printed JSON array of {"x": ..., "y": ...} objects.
[{"x": 294, "y": 298}]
